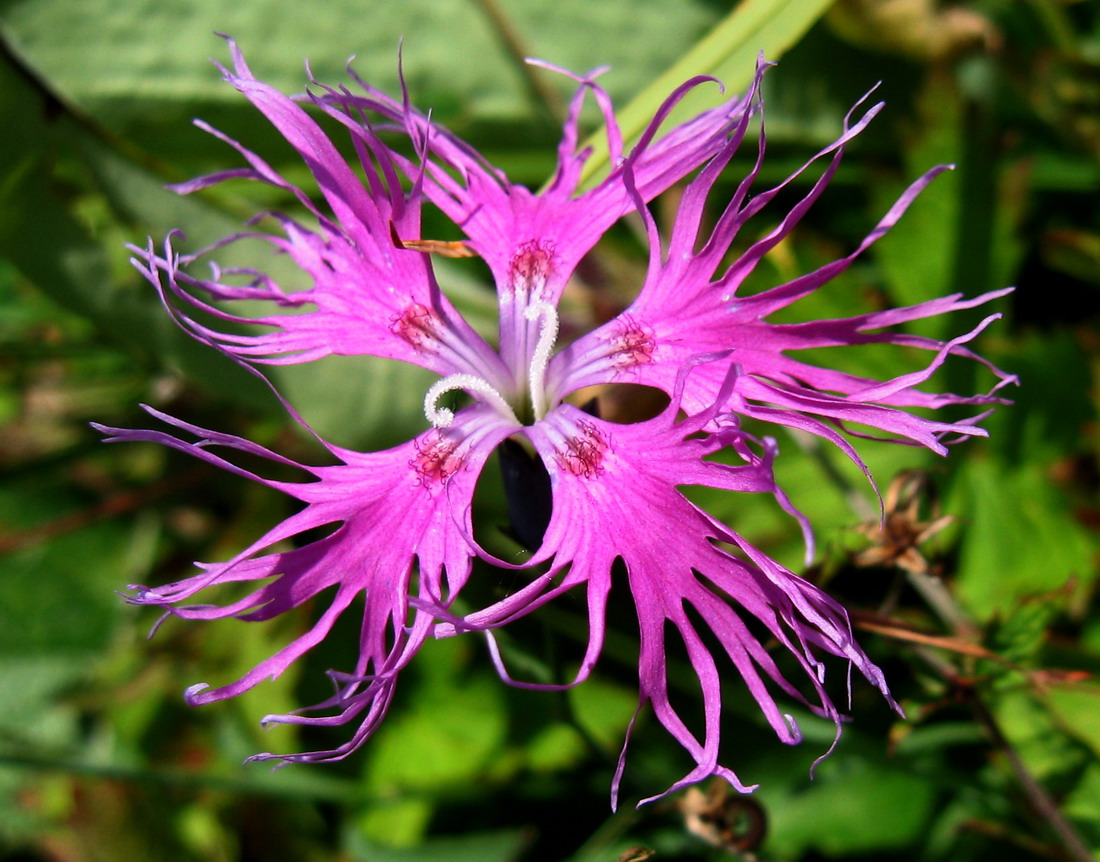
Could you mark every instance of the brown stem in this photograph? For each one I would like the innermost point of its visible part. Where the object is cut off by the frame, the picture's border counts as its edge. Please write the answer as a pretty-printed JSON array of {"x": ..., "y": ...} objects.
[
  {"x": 897, "y": 630},
  {"x": 1041, "y": 802},
  {"x": 1037, "y": 796},
  {"x": 938, "y": 597}
]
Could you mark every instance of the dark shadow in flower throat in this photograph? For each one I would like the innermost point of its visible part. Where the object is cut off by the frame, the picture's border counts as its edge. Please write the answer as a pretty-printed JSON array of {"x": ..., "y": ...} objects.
[
  {"x": 525, "y": 481},
  {"x": 622, "y": 403},
  {"x": 527, "y": 493}
]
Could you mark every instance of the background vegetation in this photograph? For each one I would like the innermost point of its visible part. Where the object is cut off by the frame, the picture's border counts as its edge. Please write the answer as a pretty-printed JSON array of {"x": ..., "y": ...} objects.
[{"x": 987, "y": 625}]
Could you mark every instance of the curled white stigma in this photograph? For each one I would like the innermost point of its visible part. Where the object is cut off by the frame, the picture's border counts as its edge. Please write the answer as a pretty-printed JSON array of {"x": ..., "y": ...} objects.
[
  {"x": 548, "y": 336},
  {"x": 441, "y": 417}
]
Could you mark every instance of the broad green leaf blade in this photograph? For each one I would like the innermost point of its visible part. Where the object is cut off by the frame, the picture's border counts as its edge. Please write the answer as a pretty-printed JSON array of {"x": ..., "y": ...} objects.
[
  {"x": 854, "y": 806},
  {"x": 1020, "y": 535},
  {"x": 728, "y": 53},
  {"x": 142, "y": 63},
  {"x": 43, "y": 237}
]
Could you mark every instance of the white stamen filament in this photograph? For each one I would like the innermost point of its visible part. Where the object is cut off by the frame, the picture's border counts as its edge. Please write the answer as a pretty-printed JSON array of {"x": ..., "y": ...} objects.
[
  {"x": 548, "y": 336},
  {"x": 441, "y": 417}
]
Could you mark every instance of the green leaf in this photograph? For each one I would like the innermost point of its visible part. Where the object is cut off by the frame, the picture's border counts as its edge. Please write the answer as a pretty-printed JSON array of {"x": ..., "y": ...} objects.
[
  {"x": 398, "y": 823},
  {"x": 1019, "y": 537},
  {"x": 603, "y": 710},
  {"x": 557, "y": 746},
  {"x": 360, "y": 402},
  {"x": 854, "y": 806},
  {"x": 455, "y": 58},
  {"x": 49, "y": 637},
  {"x": 476, "y": 847},
  {"x": 29, "y": 714},
  {"x": 76, "y": 617},
  {"x": 728, "y": 52},
  {"x": 1033, "y": 732},
  {"x": 54, "y": 250},
  {"x": 1076, "y": 709},
  {"x": 451, "y": 731},
  {"x": 1084, "y": 801},
  {"x": 1020, "y": 635}
]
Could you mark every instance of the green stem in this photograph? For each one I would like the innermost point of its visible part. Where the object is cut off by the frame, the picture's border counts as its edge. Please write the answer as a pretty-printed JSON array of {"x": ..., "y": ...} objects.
[{"x": 545, "y": 97}]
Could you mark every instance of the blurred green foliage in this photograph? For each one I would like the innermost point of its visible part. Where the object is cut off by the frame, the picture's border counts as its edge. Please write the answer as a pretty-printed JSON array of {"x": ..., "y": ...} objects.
[{"x": 991, "y": 641}]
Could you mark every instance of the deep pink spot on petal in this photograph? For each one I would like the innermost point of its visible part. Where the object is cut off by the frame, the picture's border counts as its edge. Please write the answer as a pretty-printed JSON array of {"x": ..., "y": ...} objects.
[
  {"x": 531, "y": 267},
  {"x": 633, "y": 343},
  {"x": 582, "y": 454},
  {"x": 416, "y": 324},
  {"x": 437, "y": 459}
]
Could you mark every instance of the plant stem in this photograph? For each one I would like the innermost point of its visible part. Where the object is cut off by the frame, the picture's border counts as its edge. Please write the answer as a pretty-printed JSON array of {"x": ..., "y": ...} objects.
[
  {"x": 547, "y": 99},
  {"x": 1037, "y": 796}
]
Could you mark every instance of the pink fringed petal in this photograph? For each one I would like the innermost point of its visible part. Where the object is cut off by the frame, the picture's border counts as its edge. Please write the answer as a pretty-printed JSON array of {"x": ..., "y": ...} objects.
[
  {"x": 367, "y": 294},
  {"x": 686, "y": 308},
  {"x": 393, "y": 534},
  {"x": 615, "y": 498}
]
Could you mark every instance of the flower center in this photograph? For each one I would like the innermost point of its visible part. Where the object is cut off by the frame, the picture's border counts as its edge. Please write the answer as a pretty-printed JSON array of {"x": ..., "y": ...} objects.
[{"x": 531, "y": 404}]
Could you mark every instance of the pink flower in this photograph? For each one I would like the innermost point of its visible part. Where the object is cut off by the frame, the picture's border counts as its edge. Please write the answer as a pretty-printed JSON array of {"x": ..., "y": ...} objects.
[{"x": 585, "y": 492}]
